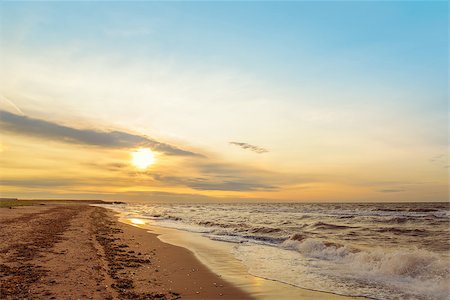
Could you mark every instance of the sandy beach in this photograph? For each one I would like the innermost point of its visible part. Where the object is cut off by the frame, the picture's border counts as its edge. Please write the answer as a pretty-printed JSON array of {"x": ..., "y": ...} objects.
[{"x": 76, "y": 251}]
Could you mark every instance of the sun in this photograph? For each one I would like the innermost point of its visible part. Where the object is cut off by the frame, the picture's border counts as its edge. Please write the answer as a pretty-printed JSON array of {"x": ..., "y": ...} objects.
[{"x": 142, "y": 158}]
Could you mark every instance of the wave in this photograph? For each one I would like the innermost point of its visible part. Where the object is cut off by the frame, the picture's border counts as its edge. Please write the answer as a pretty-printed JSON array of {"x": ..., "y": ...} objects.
[
  {"x": 235, "y": 238},
  {"x": 422, "y": 273},
  {"x": 329, "y": 250},
  {"x": 315, "y": 248},
  {"x": 423, "y": 209},
  {"x": 345, "y": 217},
  {"x": 265, "y": 230},
  {"x": 214, "y": 224},
  {"x": 157, "y": 216},
  {"x": 403, "y": 231},
  {"x": 394, "y": 220},
  {"x": 297, "y": 237},
  {"x": 412, "y": 263},
  {"x": 323, "y": 225}
]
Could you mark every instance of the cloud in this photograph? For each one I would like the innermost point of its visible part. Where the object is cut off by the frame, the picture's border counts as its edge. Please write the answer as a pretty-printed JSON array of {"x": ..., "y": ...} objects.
[
  {"x": 440, "y": 160},
  {"x": 108, "y": 139},
  {"x": 437, "y": 157},
  {"x": 234, "y": 177},
  {"x": 214, "y": 184},
  {"x": 231, "y": 186},
  {"x": 227, "y": 170},
  {"x": 390, "y": 191},
  {"x": 250, "y": 147},
  {"x": 119, "y": 167},
  {"x": 208, "y": 176},
  {"x": 41, "y": 183},
  {"x": 10, "y": 104}
]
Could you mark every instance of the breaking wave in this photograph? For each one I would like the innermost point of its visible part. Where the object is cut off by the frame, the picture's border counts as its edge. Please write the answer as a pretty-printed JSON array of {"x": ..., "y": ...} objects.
[{"x": 419, "y": 273}]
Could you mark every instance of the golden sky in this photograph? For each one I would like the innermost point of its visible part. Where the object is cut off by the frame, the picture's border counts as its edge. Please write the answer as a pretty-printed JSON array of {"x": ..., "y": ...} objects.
[{"x": 47, "y": 159}]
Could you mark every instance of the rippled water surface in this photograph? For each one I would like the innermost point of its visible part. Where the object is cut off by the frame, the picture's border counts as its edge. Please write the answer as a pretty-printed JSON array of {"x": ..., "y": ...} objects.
[{"x": 381, "y": 251}]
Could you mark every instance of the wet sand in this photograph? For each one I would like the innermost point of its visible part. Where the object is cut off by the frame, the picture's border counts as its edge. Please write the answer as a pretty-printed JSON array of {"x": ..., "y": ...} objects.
[
  {"x": 76, "y": 251},
  {"x": 218, "y": 257}
]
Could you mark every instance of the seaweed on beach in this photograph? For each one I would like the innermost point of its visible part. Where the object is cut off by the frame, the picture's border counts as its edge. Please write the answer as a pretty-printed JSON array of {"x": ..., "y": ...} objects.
[
  {"x": 119, "y": 260},
  {"x": 18, "y": 273},
  {"x": 16, "y": 280}
]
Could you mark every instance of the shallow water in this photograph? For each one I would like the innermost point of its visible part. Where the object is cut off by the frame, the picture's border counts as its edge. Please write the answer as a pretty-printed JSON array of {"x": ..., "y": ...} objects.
[{"x": 381, "y": 251}]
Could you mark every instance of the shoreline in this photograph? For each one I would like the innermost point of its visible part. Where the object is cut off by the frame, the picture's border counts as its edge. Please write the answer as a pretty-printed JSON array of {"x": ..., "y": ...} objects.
[
  {"x": 78, "y": 251},
  {"x": 217, "y": 257}
]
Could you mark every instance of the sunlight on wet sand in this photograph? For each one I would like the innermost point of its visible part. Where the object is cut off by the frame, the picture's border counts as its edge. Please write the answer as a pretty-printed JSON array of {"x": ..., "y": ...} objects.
[
  {"x": 217, "y": 256},
  {"x": 136, "y": 221}
]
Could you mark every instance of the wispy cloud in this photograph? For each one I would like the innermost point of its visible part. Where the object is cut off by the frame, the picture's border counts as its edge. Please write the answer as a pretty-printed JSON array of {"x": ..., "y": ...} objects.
[
  {"x": 440, "y": 160},
  {"x": 250, "y": 147},
  {"x": 206, "y": 175},
  {"x": 390, "y": 191},
  {"x": 109, "y": 139},
  {"x": 214, "y": 184},
  {"x": 218, "y": 176},
  {"x": 41, "y": 183},
  {"x": 437, "y": 157},
  {"x": 11, "y": 104}
]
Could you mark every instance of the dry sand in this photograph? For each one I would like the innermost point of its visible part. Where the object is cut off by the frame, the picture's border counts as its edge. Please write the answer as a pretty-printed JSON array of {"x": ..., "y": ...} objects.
[{"x": 75, "y": 251}]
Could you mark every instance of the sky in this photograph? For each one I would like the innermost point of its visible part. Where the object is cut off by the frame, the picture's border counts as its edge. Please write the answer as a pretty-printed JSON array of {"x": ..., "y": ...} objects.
[{"x": 238, "y": 101}]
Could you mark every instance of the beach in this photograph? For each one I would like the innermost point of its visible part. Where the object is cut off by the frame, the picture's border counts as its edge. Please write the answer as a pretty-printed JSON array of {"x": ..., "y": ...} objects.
[
  {"x": 99, "y": 250},
  {"x": 77, "y": 251},
  {"x": 267, "y": 150}
]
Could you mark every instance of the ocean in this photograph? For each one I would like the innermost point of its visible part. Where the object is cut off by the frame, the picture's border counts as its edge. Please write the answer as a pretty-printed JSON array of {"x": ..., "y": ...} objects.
[{"x": 376, "y": 250}]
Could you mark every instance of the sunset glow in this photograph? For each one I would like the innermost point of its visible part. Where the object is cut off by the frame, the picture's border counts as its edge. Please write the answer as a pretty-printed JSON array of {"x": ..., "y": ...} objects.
[
  {"x": 267, "y": 100},
  {"x": 142, "y": 158}
]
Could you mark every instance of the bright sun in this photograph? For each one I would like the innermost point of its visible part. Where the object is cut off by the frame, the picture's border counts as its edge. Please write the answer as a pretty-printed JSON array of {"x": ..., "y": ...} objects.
[{"x": 142, "y": 158}]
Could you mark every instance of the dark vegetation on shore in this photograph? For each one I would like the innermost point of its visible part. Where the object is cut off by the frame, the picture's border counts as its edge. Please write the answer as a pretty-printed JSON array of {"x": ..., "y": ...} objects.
[
  {"x": 10, "y": 203},
  {"x": 120, "y": 260},
  {"x": 13, "y": 202}
]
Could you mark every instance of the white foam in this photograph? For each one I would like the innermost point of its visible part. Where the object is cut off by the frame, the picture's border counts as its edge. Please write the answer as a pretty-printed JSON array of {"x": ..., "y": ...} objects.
[
  {"x": 317, "y": 249},
  {"x": 377, "y": 273}
]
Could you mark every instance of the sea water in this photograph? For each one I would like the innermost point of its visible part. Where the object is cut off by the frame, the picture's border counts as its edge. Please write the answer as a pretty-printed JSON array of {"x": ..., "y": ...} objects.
[{"x": 379, "y": 251}]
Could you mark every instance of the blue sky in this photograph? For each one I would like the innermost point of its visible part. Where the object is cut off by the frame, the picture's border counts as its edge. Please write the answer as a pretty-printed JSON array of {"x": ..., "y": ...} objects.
[
  {"x": 320, "y": 84},
  {"x": 400, "y": 44},
  {"x": 275, "y": 38}
]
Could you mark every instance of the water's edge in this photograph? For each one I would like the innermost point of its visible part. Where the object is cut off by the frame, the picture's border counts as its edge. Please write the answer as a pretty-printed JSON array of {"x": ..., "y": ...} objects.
[{"x": 217, "y": 256}]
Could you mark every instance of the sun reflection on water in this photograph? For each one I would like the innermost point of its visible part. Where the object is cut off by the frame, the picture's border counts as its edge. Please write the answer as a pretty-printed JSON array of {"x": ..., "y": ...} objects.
[{"x": 137, "y": 221}]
